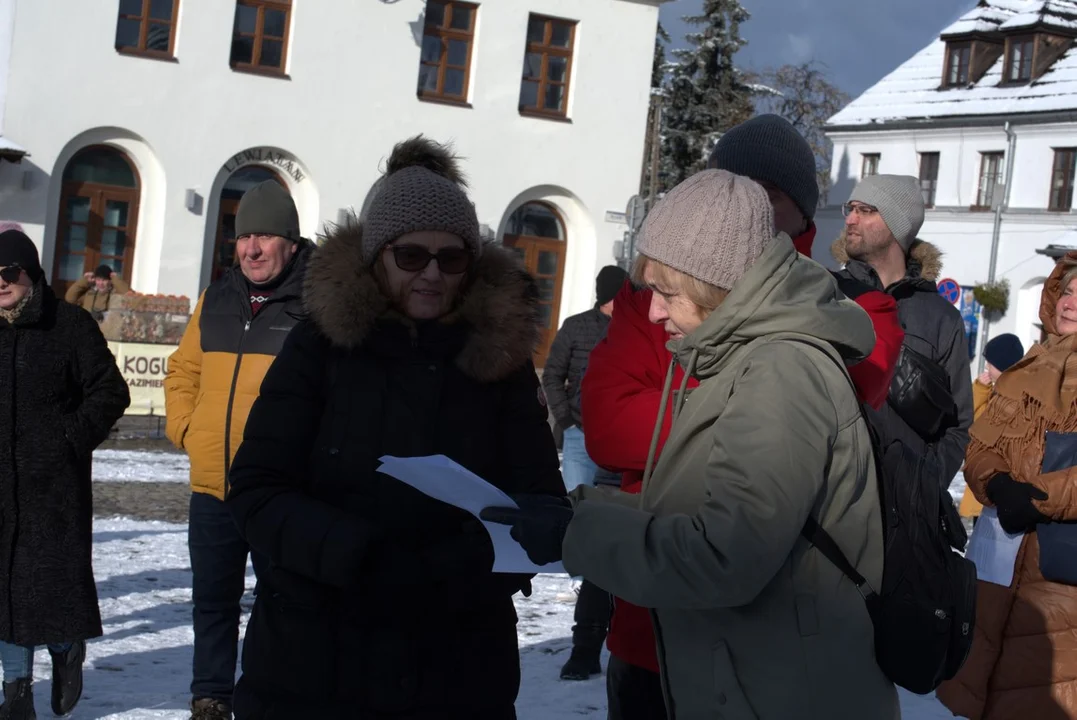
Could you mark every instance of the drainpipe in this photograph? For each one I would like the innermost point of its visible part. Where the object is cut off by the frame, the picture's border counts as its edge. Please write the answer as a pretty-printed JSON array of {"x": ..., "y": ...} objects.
[{"x": 1011, "y": 136}]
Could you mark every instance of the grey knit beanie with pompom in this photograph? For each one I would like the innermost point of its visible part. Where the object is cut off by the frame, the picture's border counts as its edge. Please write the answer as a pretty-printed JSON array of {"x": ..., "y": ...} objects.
[{"x": 422, "y": 189}]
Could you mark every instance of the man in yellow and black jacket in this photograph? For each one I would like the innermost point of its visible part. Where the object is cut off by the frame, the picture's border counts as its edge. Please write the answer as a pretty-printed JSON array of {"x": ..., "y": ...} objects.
[{"x": 238, "y": 327}]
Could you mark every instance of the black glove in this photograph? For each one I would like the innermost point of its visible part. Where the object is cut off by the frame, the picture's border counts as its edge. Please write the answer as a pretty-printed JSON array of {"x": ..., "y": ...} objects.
[
  {"x": 539, "y": 524},
  {"x": 1013, "y": 501}
]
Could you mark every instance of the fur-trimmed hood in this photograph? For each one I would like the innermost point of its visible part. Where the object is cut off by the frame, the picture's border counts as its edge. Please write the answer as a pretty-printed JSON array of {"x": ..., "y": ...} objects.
[
  {"x": 499, "y": 304},
  {"x": 927, "y": 256}
]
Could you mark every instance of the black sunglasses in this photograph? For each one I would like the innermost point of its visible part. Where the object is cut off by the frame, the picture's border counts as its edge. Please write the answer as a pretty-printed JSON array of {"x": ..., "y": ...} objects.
[
  {"x": 415, "y": 258},
  {"x": 11, "y": 274}
]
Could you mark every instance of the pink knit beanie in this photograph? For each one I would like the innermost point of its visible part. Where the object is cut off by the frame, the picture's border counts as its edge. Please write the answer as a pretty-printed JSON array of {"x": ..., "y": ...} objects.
[{"x": 713, "y": 226}]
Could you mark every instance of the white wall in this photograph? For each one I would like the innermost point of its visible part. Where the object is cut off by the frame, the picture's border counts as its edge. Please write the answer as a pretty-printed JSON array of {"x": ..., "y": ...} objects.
[
  {"x": 965, "y": 236},
  {"x": 350, "y": 95},
  {"x": 7, "y": 30}
]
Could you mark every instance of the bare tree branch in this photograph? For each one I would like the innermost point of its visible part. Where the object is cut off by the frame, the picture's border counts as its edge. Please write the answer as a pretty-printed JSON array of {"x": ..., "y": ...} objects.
[{"x": 806, "y": 98}]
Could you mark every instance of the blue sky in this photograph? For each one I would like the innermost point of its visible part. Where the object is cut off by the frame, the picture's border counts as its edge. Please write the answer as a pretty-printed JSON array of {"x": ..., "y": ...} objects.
[{"x": 859, "y": 41}]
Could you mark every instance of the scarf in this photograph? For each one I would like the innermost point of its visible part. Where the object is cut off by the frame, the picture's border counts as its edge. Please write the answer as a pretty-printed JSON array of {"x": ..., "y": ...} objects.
[
  {"x": 12, "y": 314},
  {"x": 1039, "y": 393}
]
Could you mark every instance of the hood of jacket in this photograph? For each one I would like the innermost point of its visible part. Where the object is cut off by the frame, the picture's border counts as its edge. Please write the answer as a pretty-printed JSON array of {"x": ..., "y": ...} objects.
[
  {"x": 498, "y": 304},
  {"x": 924, "y": 259},
  {"x": 1052, "y": 291},
  {"x": 783, "y": 292}
]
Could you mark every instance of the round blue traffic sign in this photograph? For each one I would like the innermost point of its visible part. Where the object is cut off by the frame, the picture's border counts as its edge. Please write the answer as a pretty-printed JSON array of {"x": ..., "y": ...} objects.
[{"x": 950, "y": 290}]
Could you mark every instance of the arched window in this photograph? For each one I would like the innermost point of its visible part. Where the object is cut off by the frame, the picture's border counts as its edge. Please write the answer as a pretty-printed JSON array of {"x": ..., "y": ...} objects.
[
  {"x": 537, "y": 233},
  {"x": 98, "y": 216},
  {"x": 242, "y": 180}
]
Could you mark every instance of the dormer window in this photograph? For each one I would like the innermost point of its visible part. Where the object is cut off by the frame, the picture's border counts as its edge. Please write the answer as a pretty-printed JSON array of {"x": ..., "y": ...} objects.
[
  {"x": 968, "y": 59},
  {"x": 958, "y": 56},
  {"x": 1019, "y": 59}
]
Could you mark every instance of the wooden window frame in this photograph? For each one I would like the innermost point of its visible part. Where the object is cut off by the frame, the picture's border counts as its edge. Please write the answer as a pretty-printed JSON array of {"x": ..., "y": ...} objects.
[
  {"x": 985, "y": 159},
  {"x": 445, "y": 33},
  {"x": 929, "y": 200},
  {"x": 545, "y": 49},
  {"x": 532, "y": 245},
  {"x": 143, "y": 30},
  {"x": 1061, "y": 199},
  {"x": 1011, "y": 45},
  {"x": 867, "y": 158},
  {"x": 99, "y": 195},
  {"x": 259, "y": 35},
  {"x": 951, "y": 50}
]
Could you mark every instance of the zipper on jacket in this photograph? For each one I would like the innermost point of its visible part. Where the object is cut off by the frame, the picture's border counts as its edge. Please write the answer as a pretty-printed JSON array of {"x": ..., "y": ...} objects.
[
  {"x": 251, "y": 317},
  {"x": 231, "y": 401}
]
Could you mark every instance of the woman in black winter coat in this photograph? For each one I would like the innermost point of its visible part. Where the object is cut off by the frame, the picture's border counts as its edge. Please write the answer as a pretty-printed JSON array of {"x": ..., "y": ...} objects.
[
  {"x": 379, "y": 601},
  {"x": 60, "y": 394}
]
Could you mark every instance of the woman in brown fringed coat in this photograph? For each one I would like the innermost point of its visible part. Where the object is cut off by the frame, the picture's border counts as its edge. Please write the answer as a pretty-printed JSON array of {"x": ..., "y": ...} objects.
[{"x": 1023, "y": 662}]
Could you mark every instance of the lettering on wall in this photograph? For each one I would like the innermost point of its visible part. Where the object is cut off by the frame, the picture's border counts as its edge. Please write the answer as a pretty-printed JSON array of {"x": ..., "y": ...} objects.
[
  {"x": 265, "y": 156},
  {"x": 143, "y": 371}
]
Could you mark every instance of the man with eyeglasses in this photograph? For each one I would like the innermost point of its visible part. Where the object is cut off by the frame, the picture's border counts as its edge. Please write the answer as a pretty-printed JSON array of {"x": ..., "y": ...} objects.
[
  {"x": 879, "y": 248},
  {"x": 237, "y": 329}
]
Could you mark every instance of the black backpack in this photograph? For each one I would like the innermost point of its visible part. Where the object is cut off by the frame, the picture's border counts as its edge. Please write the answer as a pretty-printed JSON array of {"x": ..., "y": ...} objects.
[{"x": 925, "y": 611}]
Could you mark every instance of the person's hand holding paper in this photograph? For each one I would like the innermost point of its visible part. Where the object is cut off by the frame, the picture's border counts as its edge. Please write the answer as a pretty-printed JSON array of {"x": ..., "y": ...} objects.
[
  {"x": 539, "y": 524},
  {"x": 442, "y": 479}
]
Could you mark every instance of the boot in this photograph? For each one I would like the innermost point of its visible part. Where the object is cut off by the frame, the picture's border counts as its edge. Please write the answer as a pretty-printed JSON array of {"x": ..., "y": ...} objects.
[
  {"x": 582, "y": 663},
  {"x": 18, "y": 700},
  {"x": 209, "y": 709},
  {"x": 67, "y": 677}
]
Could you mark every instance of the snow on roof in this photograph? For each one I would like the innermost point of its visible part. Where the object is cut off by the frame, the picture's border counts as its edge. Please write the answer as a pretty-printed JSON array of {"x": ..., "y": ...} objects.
[
  {"x": 986, "y": 18},
  {"x": 10, "y": 146},
  {"x": 912, "y": 91},
  {"x": 1053, "y": 13}
]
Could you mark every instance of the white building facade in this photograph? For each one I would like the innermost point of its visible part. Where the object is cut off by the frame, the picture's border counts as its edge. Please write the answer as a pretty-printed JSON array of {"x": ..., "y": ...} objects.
[
  {"x": 997, "y": 87},
  {"x": 145, "y": 121}
]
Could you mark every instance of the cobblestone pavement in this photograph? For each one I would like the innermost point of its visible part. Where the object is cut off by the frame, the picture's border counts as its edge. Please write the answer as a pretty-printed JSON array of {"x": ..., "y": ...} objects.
[{"x": 167, "y": 501}]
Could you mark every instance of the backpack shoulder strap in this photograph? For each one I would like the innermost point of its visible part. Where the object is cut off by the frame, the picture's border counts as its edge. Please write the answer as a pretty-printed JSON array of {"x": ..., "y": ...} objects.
[
  {"x": 820, "y": 538},
  {"x": 812, "y": 531}
]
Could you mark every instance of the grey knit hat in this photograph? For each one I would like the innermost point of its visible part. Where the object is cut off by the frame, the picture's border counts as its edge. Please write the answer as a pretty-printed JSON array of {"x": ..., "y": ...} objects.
[
  {"x": 899, "y": 201},
  {"x": 769, "y": 149},
  {"x": 713, "y": 226},
  {"x": 268, "y": 209},
  {"x": 423, "y": 189}
]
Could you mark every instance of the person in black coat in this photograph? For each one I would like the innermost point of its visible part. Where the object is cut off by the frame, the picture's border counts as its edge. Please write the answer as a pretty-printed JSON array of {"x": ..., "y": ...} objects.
[
  {"x": 60, "y": 394},
  {"x": 379, "y": 601}
]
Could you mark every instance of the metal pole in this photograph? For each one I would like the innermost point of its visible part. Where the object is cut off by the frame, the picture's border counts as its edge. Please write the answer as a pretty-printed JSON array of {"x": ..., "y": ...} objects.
[{"x": 996, "y": 234}]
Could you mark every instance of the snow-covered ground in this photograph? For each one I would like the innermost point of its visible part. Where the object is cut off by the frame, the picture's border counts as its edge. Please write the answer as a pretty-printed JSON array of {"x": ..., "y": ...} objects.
[
  {"x": 140, "y": 466},
  {"x": 140, "y": 669}
]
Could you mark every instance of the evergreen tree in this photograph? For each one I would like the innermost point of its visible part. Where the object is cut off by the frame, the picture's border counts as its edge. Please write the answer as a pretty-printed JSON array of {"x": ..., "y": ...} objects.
[
  {"x": 650, "y": 182},
  {"x": 706, "y": 93},
  {"x": 658, "y": 67}
]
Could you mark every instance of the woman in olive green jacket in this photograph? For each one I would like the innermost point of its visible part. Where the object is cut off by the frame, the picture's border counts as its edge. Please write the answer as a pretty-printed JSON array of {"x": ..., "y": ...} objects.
[{"x": 752, "y": 622}]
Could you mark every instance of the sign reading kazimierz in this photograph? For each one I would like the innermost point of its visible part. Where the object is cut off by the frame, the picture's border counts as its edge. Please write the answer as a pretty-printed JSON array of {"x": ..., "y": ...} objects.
[
  {"x": 266, "y": 156},
  {"x": 143, "y": 366}
]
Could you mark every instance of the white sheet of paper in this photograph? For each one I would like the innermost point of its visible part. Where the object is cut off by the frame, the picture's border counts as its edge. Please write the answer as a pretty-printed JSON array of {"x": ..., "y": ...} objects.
[
  {"x": 442, "y": 479},
  {"x": 993, "y": 550}
]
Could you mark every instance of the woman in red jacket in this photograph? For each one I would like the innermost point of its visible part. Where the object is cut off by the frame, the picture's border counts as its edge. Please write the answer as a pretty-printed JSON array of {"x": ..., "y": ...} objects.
[{"x": 626, "y": 371}]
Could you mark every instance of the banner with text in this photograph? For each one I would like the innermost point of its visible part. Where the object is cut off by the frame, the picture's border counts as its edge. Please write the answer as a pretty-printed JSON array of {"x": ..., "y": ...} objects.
[{"x": 143, "y": 366}]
